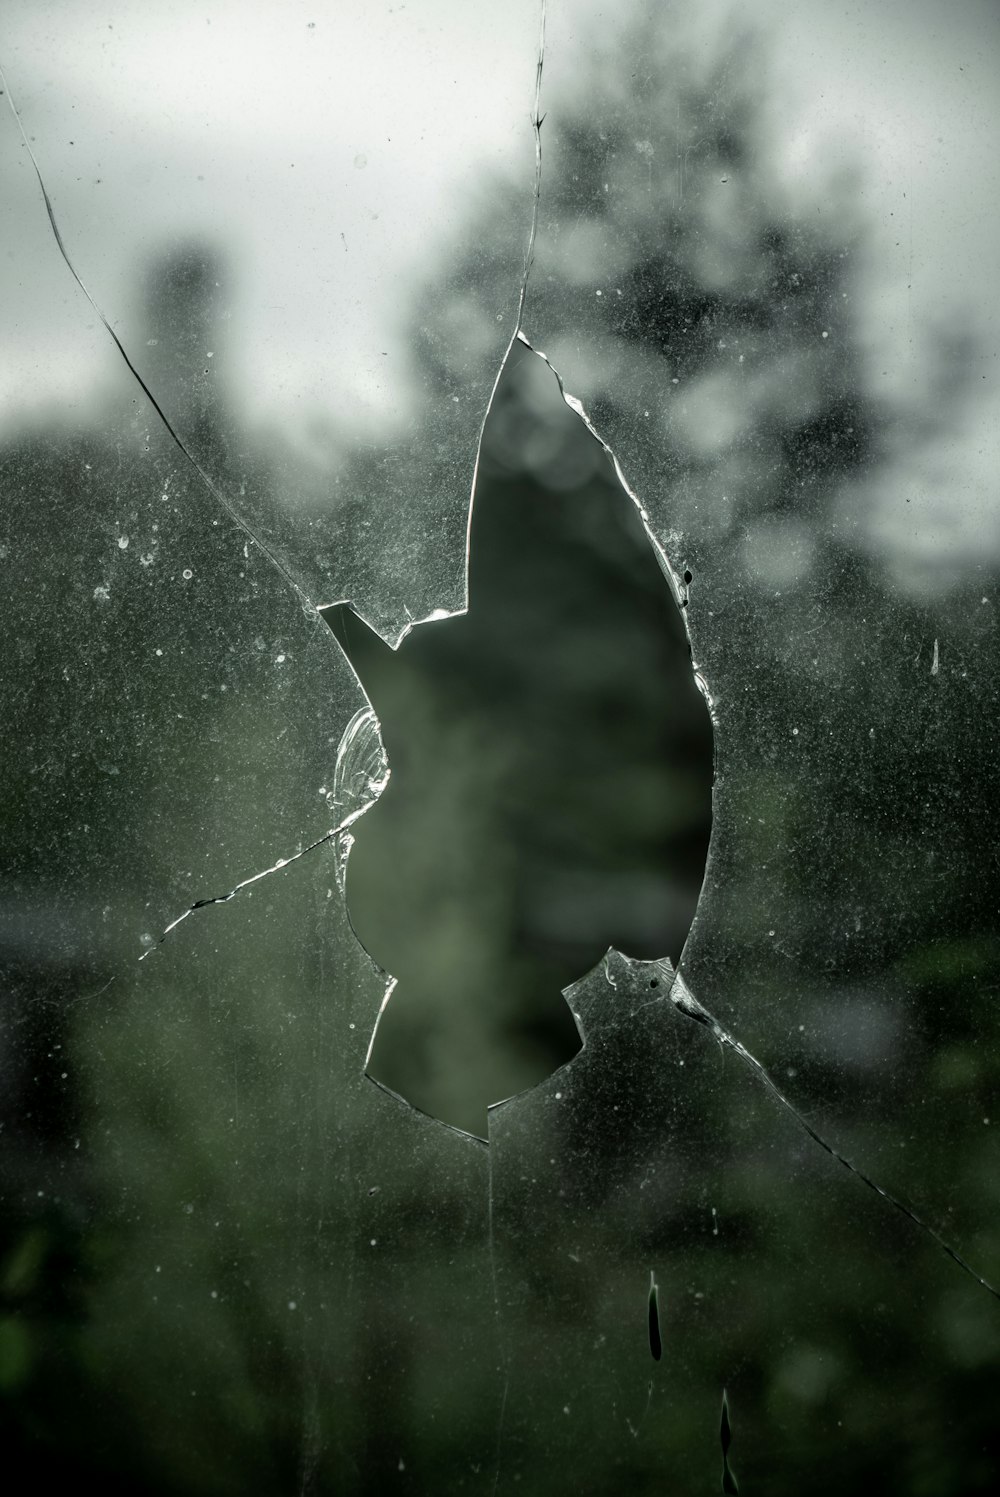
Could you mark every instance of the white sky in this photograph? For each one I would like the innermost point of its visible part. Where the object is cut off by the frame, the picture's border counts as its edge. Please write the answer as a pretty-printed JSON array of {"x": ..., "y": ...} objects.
[
  {"x": 334, "y": 143},
  {"x": 326, "y": 144}
]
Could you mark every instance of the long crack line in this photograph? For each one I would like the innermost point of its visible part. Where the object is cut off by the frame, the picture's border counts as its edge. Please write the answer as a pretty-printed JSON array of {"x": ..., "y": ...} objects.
[
  {"x": 201, "y": 904},
  {"x": 687, "y": 1004},
  {"x": 537, "y": 120},
  {"x": 216, "y": 493}
]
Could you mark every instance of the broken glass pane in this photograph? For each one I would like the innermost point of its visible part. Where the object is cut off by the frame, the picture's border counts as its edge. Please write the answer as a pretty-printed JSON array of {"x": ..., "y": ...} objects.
[
  {"x": 757, "y": 264},
  {"x": 515, "y": 843}
]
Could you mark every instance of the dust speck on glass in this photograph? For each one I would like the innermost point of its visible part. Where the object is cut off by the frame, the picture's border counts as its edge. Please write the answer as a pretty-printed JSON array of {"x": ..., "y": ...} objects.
[{"x": 500, "y": 535}]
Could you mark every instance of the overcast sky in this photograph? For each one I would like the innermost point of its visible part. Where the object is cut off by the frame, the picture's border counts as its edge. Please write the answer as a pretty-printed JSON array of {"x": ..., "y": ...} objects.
[{"x": 330, "y": 148}]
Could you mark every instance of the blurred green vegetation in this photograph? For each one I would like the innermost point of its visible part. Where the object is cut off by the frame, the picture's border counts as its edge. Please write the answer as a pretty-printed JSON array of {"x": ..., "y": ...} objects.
[{"x": 231, "y": 1264}]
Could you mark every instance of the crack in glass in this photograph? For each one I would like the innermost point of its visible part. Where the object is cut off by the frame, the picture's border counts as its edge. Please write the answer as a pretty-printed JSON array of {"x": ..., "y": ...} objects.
[{"x": 266, "y": 302}]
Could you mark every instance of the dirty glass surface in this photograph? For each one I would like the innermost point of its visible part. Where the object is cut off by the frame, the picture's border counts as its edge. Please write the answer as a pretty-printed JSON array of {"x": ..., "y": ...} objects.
[{"x": 656, "y": 798}]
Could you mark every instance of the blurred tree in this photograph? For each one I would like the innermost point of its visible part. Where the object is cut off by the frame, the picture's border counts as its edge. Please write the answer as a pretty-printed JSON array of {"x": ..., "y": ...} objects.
[
  {"x": 713, "y": 285},
  {"x": 683, "y": 263},
  {"x": 726, "y": 286}
]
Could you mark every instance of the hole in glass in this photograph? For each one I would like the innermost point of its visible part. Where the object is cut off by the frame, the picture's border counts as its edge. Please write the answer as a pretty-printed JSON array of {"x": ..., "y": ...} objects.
[{"x": 551, "y": 766}]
